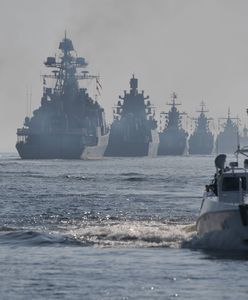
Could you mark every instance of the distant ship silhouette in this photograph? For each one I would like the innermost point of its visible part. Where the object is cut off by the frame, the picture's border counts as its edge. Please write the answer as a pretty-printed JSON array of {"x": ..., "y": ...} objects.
[
  {"x": 173, "y": 138},
  {"x": 133, "y": 132},
  {"x": 69, "y": 124}
]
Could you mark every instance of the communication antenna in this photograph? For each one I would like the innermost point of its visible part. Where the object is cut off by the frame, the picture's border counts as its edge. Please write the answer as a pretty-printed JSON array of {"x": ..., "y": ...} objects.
[{"x": 28, "y": 101}]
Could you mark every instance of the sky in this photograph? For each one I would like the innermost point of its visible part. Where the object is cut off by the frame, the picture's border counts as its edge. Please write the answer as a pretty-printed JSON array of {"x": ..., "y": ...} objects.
[{"x": 197, "y": 48}]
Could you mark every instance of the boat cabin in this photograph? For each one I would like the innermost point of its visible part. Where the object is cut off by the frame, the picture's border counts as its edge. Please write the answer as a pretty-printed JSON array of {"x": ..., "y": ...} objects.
[{"x": 230, "y": 183}]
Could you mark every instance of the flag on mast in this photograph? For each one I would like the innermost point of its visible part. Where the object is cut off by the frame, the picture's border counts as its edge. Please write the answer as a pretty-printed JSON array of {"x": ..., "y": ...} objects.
[
  {"x": 98, "y": 86},
  {"x": 98, "y": 91},
  {"x": 98, "y": 83}
]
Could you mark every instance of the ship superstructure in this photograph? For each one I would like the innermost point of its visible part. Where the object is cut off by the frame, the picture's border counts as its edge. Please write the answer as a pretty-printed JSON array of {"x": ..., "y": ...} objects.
[
  {"x": 228, "y": 139},
  {"x": 133, "y": 131},
  {"x": 243, "y": 139},
  {"x": 201, "y": 140},
  {"x": 173, "y": 138},
  {"x": 69, "y": 124}
]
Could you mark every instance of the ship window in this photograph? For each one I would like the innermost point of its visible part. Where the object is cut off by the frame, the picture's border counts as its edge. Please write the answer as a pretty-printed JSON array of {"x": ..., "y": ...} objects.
[{"x": 232, "y": 183}]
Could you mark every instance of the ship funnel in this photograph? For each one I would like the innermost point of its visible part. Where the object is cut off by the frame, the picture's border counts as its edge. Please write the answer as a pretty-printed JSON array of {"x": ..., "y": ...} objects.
[
  {"x": 220, "y": 161},
  {"x": 133, "y": 83}
]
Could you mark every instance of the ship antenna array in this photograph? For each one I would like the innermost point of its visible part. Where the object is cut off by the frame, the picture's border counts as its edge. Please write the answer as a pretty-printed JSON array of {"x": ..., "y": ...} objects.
[
  {"x": 229, "y": 118},
  {"x": 203, "y": 105},
  {"x": 173, "y": 100},
  {"x": 172, "y": 103}
]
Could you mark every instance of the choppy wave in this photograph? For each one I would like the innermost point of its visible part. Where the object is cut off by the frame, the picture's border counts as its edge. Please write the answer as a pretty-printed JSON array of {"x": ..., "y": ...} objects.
[
  {"x": 33, "y": 238},
  {"x": 6, "y": 229},
  {"x": 135, "y": 178},
  {"x": 131, "y": 174},
  {"x": 77, "y": 177}
]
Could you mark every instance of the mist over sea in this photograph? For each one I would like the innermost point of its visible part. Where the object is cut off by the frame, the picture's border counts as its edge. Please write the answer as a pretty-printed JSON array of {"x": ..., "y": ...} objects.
[{"x": 120, "y": 228}]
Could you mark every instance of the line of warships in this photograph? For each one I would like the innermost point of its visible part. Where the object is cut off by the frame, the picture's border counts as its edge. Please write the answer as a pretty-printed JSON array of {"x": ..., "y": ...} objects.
[{"x": 69, "y": 124}]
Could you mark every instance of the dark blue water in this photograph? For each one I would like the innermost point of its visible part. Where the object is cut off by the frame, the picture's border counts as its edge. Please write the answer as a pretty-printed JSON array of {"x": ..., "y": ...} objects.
[{"x": 110, "y": 229}]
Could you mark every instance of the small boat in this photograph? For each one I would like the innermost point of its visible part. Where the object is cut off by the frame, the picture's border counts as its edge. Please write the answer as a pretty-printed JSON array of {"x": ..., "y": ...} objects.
[{"x": 224, "y": 209}]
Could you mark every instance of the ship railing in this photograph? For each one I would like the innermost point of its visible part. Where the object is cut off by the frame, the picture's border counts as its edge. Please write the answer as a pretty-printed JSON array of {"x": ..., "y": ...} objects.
[
  {"x": 23, "y": 131},
  {"x": 27, "y": 131}
]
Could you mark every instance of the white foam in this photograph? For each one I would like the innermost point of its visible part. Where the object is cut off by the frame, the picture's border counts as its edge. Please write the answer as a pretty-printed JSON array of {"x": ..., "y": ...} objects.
[{"x": 132, "y": 233}]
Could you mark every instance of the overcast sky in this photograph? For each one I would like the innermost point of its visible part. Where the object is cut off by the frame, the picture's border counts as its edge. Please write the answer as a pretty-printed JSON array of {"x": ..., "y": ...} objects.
[{"x": 198, "y": 49}]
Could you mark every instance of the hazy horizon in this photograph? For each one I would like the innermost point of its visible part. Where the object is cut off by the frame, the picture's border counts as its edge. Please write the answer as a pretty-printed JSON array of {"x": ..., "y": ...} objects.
[{"x": 197, "y": 48}]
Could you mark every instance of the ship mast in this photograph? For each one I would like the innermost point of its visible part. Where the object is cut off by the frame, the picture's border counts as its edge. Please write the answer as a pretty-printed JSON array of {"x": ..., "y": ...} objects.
[
  {"x": 202, "y": 122},
  {"x": 173, "y": 117},
  {"x": 229, "y": 120},
  {"x": 230, "y": 125},
  {"x": 203, "y": 105},
  {"x": 133, "y": 102},
  {"x": 65, "y": 67}
]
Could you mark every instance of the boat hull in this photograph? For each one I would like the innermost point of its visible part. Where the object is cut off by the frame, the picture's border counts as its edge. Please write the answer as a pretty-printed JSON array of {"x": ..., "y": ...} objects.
[
  {"x": 61, "y": 146},
  {"x": 117, "y": 147},
  {"x": 223, "y": 230},
  {"x": 201, "y": 144},
  {"x": 226, "y": 225},
  {"x": 128, "y": 149},
  {"x": 171, "y": 143},
  {"x": 219, "y": 221},
  {"x": 226, "y": 143}
]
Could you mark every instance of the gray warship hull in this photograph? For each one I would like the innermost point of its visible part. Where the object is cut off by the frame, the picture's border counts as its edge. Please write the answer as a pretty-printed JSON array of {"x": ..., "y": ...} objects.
[
  {"x": 171, "y": 143},
  {"x": 63, "y": 146},
  {"x": 118, "y": 147},
  {"x": 226, "y": 143},
  {"x": 201, "y": 144},
  {"x": 50, "y": 147}
]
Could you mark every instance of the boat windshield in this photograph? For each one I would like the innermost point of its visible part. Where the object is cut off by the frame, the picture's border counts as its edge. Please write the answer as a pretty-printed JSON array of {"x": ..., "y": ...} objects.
[{"x": 232, "y": 184}]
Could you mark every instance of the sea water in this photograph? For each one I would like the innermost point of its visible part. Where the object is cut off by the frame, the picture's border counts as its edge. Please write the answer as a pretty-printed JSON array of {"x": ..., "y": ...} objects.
[{"x": 116, "y": 228}]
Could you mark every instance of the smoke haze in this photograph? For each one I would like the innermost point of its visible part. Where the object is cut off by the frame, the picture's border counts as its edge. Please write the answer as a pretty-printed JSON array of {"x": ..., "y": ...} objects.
[{"x": 196, "y": 48}]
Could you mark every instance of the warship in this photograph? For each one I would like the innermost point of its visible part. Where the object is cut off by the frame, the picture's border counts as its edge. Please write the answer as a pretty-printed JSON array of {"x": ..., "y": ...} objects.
[
  {"x": 133, "y": 131},
  {"x": 227, "y": 140},
  {"x": 243, "y": 139},
  {"x": 202, "y": 139},
  {"x": 173, "y": 138},
  {"x": 69, "y": 124}
]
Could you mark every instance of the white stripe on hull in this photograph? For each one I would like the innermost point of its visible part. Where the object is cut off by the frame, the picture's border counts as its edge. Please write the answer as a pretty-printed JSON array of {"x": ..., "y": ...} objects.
[
  {"x": 153, "y": 145},
  {"x": 96, "y": 152}
]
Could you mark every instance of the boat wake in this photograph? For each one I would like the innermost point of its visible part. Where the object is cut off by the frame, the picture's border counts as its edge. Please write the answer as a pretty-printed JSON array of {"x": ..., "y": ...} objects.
[
  {"x": 138, "y": 234},
  {"x": 121, "y": 233},
  {"x": 107, "y": 233}
]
